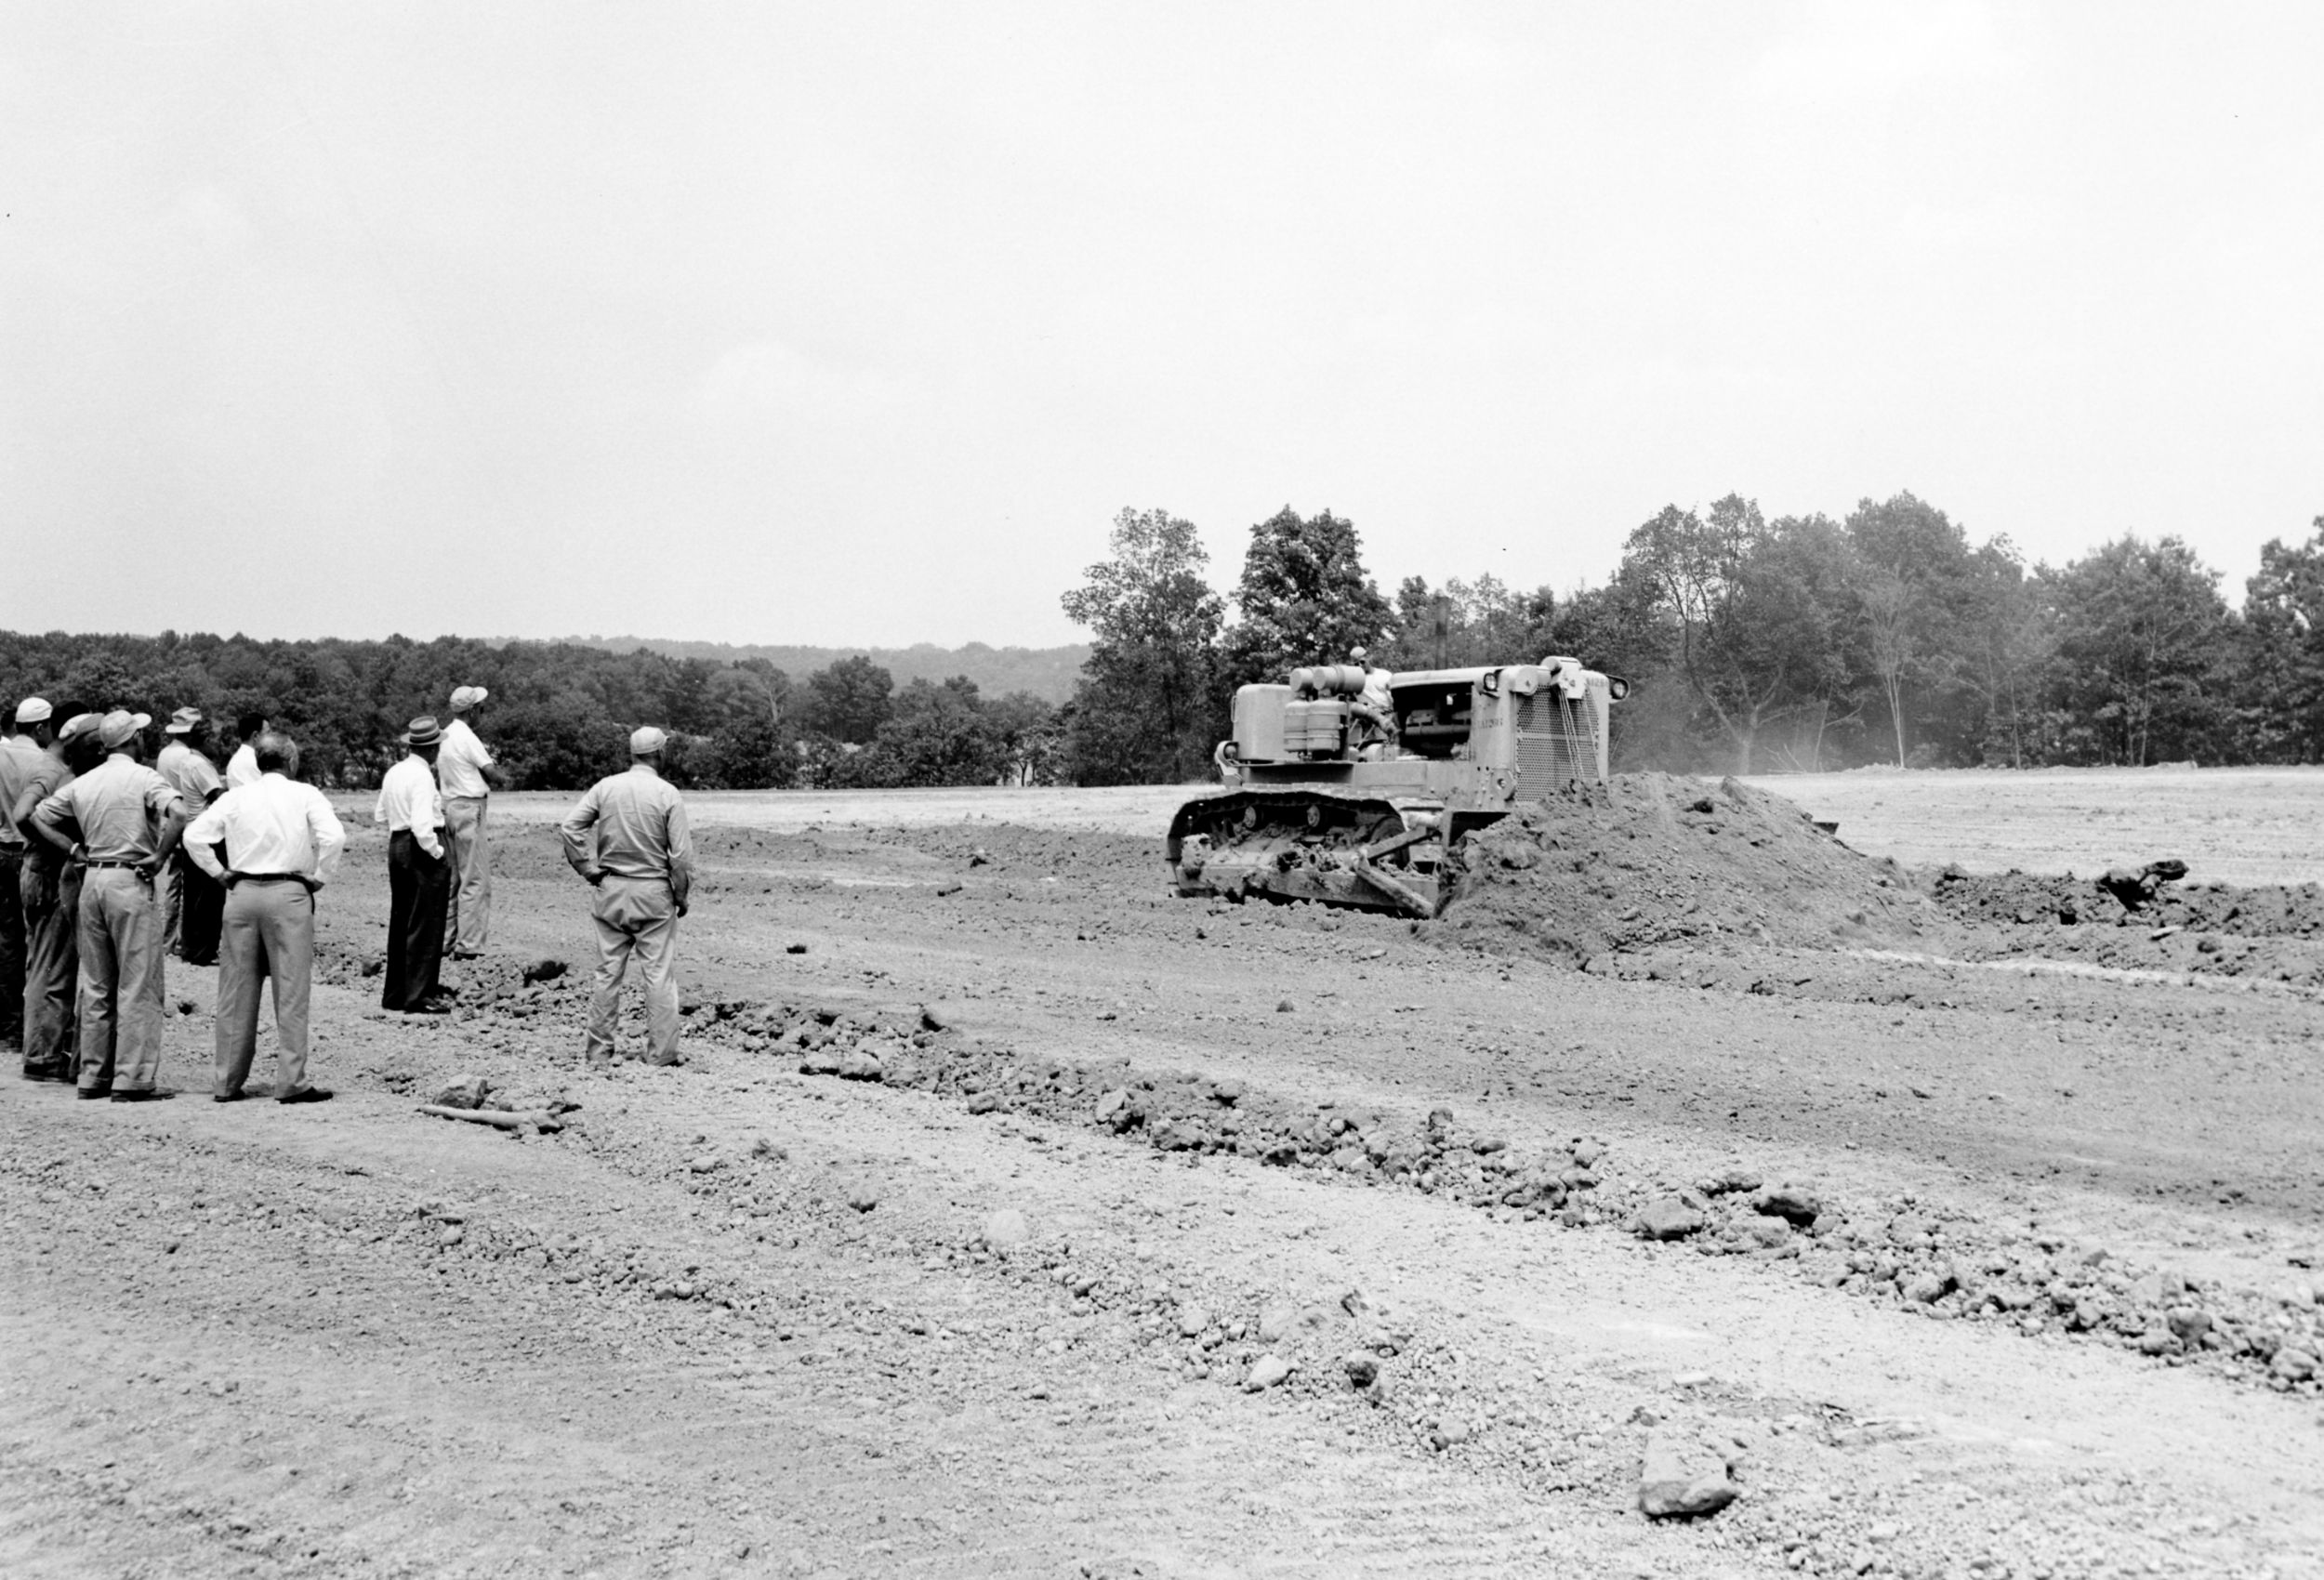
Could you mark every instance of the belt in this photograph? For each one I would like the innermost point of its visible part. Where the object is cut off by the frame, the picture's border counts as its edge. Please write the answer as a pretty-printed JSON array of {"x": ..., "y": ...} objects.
[
  {"x": 113, "y": 864},
  {"x": 13, "y": 852},
  {"x": 270, "y": 877}
]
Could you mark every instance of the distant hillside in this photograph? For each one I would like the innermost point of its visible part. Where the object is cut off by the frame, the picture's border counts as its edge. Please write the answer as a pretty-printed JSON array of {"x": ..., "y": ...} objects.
[{"x": 1048, "y": 673}]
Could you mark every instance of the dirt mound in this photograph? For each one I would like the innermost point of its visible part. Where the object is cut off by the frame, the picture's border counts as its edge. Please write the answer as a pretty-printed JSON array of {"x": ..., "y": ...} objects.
[
  {"x": 1653, "y": 859},
  {"x": 2268, "y": 932}
]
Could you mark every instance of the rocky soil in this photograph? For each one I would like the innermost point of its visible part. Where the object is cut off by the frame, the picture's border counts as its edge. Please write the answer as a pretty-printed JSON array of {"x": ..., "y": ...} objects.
[{"x": 1011, "y": 1217}]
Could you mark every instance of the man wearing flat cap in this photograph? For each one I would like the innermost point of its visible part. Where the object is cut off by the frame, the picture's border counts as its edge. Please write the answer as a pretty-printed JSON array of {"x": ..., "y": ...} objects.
[
  {"x": 627, "y": 837},
  {"x": 49, "y": 891},
  {"x": 419, "y": 875},
  {"x": 468, "y": 775},
  {"x": 130, "y": 820},
  {"x": 191, "y": 902},
  {"x": 22, "y": 756}
]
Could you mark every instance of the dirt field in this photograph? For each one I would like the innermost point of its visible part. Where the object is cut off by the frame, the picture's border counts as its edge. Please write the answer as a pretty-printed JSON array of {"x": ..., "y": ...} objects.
[{"x": 1011, "y": 1218}]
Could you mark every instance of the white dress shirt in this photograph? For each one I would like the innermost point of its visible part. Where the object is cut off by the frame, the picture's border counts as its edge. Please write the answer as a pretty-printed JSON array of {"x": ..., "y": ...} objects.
[
  {"x": 408, "y": 799},
  {"x": 461, "y": 761},
  {"x": 242, "y": 768},
  {"x": 274, "y": 826}
]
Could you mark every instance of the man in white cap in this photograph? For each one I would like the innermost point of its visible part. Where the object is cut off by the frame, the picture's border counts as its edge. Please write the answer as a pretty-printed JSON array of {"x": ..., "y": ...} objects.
[
  {"x": 190, "y": 902},
  {"x": 468, "y": 774},
  {"x": 627, "y": 837},
  {"x": 130, "y": 822},
  {"x": 420, "y": 872},
  {"x": 282, "y": 842},
  {"x": 50, "y": 893},
  {"x": 22, "y": 755}
]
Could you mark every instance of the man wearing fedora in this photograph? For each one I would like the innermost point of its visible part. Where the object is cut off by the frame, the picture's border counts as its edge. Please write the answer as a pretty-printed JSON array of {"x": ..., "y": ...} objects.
[
  {"x": 419, "y": 873},
  {"x": 22, "y": 755},
  {"x": 191, "y": 902},
  {"x": 627, "y": 837},
  {"x": 468, "y": 775},
  {"x": 130, "y": 822},
  {"x": 49, "y": 891}
]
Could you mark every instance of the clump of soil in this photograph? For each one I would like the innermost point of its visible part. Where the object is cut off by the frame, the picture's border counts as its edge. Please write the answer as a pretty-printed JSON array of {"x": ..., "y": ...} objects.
[
  {"x": 1652, "y": 858},
  {"x": 2272, "y": 932}
]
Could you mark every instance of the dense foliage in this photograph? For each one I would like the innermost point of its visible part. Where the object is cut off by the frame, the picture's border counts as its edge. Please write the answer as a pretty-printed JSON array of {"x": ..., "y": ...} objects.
[
  {"x": 1754, "y": 645},
  {"x": 560, "y": 712},
  {"x": 1758, "y": 645}
]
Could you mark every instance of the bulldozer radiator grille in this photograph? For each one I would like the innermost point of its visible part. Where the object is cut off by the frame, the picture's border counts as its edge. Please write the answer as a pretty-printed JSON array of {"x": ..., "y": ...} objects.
[{"x": 1555, "y": 746}]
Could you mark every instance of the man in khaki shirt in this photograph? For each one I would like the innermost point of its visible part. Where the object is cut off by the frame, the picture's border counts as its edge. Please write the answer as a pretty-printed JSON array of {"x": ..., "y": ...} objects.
[
  {"x": 629, "y": 838},
  {"x": 50, "y": 892},
  {"x": 130, "y": 822},
  {"x": 22, "y": 756}
]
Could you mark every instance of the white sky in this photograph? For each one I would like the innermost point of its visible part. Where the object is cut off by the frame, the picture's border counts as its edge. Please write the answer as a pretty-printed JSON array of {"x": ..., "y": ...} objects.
[{"x": 857, "y": 323}]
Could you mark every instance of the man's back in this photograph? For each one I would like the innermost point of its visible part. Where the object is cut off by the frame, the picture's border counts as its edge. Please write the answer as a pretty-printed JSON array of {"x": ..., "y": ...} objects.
[
  {"x": 118, "y": 804},
  {"x": 639, "y": 825},
  {"x": 188, "y": 772},
  {"x": 21, "y": 762}
]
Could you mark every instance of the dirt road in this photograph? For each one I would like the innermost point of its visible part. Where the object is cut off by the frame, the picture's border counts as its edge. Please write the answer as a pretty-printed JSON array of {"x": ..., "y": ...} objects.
[{"x": 961, "y": 1316}]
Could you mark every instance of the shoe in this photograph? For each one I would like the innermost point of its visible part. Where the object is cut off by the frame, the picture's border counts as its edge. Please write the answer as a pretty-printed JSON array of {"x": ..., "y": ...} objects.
[
  {"x": 466, "y": 954},
  {"x": 236, "y": 1096},
  {"x": 308, "y": 1094},
  {"x": 151, "y": 1094},
  {"x": 430, "y": 1006},
  {"x": 48, "y": 1072},
  {"x": 95, "y": 1094}
]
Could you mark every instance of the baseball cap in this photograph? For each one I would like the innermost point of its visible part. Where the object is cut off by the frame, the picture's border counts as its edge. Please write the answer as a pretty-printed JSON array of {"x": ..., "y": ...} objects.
[
  {"x": 646, "y": 738},
  {"x": 182, "y": 720},
  {"x": 117, "y": 727},
  {"x": 33, "y": 710}
]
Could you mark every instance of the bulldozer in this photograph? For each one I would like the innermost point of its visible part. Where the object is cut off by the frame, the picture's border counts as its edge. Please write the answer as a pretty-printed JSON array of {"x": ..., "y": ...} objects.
[{"x": 1355, "y": 789}]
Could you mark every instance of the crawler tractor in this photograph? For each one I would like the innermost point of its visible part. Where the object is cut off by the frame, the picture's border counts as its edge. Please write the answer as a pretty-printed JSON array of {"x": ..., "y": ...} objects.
[{"x": 1328, "y": 795}]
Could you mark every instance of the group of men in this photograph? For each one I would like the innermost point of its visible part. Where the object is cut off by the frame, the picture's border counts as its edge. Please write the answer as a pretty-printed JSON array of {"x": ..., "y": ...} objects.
[{"x": 88, "y": 830}]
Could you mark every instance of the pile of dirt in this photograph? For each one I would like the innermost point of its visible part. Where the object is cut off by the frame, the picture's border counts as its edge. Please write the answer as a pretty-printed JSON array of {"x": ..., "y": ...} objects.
[
  {"x": 2272, "y": 932},
  {"x": 1653, "y": 859}
]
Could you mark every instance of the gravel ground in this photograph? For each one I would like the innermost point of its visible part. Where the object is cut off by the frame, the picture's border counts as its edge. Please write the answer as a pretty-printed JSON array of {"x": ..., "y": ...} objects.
[{"x": 1152, "y": 1237}]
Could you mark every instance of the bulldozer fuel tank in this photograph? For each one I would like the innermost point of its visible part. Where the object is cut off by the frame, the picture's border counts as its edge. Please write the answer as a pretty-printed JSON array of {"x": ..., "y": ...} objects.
[{"x": 1340, "y": 847}]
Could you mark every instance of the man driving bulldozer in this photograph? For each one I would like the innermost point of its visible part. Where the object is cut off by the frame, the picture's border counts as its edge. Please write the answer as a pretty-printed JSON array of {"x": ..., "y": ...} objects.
[{"x": 1372, "y": 713}]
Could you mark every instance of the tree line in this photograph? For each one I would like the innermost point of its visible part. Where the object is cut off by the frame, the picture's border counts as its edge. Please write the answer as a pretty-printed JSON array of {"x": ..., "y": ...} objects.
[
  {"x": 1799, "y": 643},
  {"x": 1753, "y": 644},
  {"x": 560, "y": 712}
]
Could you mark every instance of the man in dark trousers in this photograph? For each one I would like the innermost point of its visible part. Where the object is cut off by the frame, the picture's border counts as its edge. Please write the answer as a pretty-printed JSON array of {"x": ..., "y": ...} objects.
[
  {"x": 23, "y": 755},
  {"x": 191, "y": 902},
  {"x": 50, "y": 892},
  {"x": 419, "y": 875}
]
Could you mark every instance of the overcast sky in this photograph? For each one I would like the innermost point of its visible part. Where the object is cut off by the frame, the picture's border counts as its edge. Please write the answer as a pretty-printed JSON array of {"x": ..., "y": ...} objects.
[{"x": 858, "y": 323}]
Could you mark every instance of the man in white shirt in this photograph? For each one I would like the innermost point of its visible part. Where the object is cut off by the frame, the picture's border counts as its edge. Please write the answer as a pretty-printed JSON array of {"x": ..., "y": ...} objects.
[
  {"x": 467, "y": 773},
  {"x": 419, "y": 875},
  {"x": 190, "y": 902},
  {"x": 281, "y": 843},
  {"x": 243, "y": 766}
]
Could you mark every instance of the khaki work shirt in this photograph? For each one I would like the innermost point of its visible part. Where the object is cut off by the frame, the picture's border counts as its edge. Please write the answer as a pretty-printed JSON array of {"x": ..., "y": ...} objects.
[
  {"x": 21, "y": 760},
  {"x": 121, "y": 805},
  {"x": 633, "y": 825}
]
